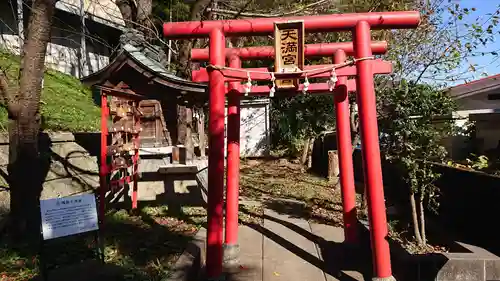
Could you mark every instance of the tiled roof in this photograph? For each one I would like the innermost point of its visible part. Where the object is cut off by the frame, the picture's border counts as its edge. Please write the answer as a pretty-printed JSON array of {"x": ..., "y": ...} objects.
[
  {"x": 141, "y": 56},
  {"x": 146, "y": 59},
  {"x": 475, "y": 87}
]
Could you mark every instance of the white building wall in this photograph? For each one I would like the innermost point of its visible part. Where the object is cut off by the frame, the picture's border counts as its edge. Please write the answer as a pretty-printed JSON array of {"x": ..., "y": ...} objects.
[
  {"x": 486, "y": 114},
  {"x": 102, "y": 11},
  {"x": 478, "y": 102},
  {"x": 488, "y": 134},
  {"x": 254, "y": 129},
  {"x": 9, "y": 39},
  {"x": 63, "y": 50}
]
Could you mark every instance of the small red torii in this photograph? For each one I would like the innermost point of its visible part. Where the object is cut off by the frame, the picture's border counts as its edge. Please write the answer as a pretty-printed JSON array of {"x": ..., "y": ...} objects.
[{"x": 360, "y": 26}]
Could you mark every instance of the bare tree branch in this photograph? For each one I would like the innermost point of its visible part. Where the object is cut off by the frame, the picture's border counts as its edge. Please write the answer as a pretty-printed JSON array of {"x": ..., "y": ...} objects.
[
  {"x": 245, "y": 14},
  {"x": 243, "y": 9}
]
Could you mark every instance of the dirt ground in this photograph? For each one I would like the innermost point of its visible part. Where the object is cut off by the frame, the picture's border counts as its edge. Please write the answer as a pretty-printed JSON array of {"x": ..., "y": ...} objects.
[{"x": 265, "y": 180}]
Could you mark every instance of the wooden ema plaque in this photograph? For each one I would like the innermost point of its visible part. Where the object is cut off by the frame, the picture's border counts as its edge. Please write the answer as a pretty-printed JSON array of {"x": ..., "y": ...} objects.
[{"x": 289, "y": 50}]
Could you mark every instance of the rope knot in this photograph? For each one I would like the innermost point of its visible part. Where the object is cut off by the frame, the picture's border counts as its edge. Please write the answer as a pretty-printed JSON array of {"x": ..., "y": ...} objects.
[
  {"x": 248, "y": 85},
  {"x": 273, "y": 88},
  {"x": 306, "y": 85},
  {"x": 333, "y": 80}
]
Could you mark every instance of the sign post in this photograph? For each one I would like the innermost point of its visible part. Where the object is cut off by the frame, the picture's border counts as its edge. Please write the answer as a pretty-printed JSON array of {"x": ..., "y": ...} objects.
[
  {"x": 289, "y": 50},
  {"x": 67, "y": 216}
]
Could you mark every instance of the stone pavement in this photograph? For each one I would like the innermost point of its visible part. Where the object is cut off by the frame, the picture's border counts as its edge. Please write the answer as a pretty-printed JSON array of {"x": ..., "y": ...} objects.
[{"x": 289, "y": 248}]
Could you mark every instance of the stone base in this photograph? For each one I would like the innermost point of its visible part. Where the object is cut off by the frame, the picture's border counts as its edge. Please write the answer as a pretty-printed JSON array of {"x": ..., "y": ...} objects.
[
  {"x": 220, "y": 278},
  {"x": 462, "y": 262},
  {"x": 190, "y": 265},
  {"x": 391, "y": 278},
  {"x": 231, "y": 256}
]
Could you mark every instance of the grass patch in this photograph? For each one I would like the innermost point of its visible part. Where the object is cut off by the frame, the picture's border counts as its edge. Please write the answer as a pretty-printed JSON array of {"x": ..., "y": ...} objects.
[
  {"x": 141, "y": 246},
  {"x": 66, "y": 104},
  {"x": 16, "y": 264}
]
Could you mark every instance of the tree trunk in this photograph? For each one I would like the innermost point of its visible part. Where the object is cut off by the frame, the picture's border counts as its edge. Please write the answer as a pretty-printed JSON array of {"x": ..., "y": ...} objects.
[
  {"x": 356, "y": 138},
  {"x": 309, "y": 153},
  {"x": 24, "y": 125},
  {"x": 184, "y": 71},
  {"x": 128, "y": 11},
  {"x": 422, "y": 220},
  {"x": 364, "y": 202},
  {"x": 144, "y": 22},
  {"x": 201, "y": 131},
  {"x": 414, "y": 214},
  {"x": 305, "y": 152},
  {"x": 184, "y": 124},
  {"x": 183, "y": 60},
  {"x": 189, "y": 136},
  {"x": 333, "y": 164}
]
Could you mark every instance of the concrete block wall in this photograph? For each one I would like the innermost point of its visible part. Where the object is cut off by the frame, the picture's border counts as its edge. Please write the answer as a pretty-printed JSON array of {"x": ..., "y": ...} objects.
[{"x": 70, "y": 168}]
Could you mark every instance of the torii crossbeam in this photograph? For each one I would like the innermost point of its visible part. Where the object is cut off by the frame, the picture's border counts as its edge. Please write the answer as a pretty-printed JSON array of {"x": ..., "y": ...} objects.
[{"x": 310, "y": 50}]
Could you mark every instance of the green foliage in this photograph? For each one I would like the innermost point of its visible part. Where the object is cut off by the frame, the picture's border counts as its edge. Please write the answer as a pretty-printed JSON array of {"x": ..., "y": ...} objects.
[
  {"x": 474, "y": 162},
  {"x": 66, "y": 104},
  {"x": 298, "y": 118},
  {"x": 442, "y": 49},
  {"x": 478, "y": 162},
  {"x": 177, "y": 8},
  {"x": 414, "y": 119}
]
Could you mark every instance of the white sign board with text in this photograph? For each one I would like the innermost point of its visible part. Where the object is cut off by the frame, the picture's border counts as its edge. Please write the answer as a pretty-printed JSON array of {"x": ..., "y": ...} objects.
[{"x": 68, "y": 216}]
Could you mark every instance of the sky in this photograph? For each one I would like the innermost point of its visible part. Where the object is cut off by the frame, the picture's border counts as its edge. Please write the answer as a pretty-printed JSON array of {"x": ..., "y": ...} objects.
[{"x": 483, "y": 7}]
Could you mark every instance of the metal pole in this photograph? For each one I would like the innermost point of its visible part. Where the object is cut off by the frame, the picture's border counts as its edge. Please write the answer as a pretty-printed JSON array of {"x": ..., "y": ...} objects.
[
  {"x": 83, "y": 44},
  {"x": 135, "y": 167},
  {"x": 20, "y": 24},
  {"x": 216, "y": 156},
  {"x": 371, "y": 153},
  {"x": 169, "y": 55},
  {"x": 345, "y": 154},
  {"x": 233, "y": 167},
  {"x": 103, "y": 171}
]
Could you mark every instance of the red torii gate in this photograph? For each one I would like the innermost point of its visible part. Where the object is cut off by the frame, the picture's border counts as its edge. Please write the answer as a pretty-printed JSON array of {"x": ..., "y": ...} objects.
[{"x": 360, "y": 25}]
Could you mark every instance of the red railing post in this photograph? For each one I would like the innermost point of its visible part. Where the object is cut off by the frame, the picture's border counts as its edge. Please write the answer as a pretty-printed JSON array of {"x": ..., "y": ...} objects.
[
  {"x": 233, "y": 167},
  {"x": 103, "y": 171},
  {"x": 135, "y": 167},
  {"x": 216, "y": 156},
  {"x": 371, "y": 152},
  {"x": 344, "y": 145}
]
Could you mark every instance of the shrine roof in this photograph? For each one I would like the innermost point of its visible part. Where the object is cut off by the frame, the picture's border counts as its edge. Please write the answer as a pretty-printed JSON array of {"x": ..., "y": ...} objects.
[
  {"x": 485, "y": 85},
  {"x": 138, "y": 65}
]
